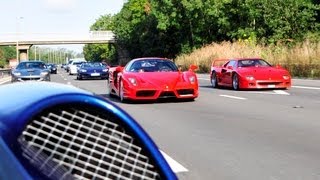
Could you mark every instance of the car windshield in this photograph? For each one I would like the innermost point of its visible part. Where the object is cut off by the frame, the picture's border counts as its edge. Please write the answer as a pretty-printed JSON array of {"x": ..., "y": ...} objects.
[
  {"x": 253, "y": 63},
  {"x": 91, "y": 65},
  {"x": 29, "y": 65},
  {"x": 153, "y": 65}
]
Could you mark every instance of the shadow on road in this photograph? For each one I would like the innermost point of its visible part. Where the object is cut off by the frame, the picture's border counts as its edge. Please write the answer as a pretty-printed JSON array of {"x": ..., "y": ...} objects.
[
  {"x": 165, "y": 100},
  {"x": 230, "y": 89}
]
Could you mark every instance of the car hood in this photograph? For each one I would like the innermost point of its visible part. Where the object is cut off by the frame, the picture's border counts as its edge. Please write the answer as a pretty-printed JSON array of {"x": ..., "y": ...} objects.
[
  {"x": 158, "y": 79},
  {"x": 264, "y": 72},
  {"x": 30, "y": 72}
]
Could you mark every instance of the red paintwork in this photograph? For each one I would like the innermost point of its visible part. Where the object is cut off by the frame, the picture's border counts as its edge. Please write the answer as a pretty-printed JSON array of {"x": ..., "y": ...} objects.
[
  {"x": 157, "y": 82},
  {"x": 263, "y": 77}
]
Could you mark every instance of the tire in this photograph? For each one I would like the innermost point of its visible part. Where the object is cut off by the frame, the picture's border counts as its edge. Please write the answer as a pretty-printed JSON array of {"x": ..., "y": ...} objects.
[
  {"x": 121, "y": 96},
  {"x": 121, "y": 91},
  {"x": 235, "y": 81},
  {"x": 214, "y": 80},
  {"x": 109, "y": 90}
]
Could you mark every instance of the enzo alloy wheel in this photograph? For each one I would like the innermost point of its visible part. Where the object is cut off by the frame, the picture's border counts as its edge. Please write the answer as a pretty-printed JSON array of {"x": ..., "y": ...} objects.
[
  {"x": 121, "y": 93},
  {"x": 109, "y": 89},
  {"x": 235, "y": 82},
  {"x": 214, "y": 80}
]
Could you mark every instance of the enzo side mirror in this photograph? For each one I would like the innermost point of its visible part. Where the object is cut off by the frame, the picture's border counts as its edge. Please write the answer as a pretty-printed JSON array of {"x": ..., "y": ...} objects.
[
  {"x": 119, "y": 68},
  {"x": 193, "y": 67},
  {"x": 278, "y": 66},
  {"x": 55, "y": 131}
]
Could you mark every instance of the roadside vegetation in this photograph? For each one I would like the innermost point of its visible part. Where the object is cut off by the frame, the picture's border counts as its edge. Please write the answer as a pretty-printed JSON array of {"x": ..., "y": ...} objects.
[{"x": 302, "y": 59}]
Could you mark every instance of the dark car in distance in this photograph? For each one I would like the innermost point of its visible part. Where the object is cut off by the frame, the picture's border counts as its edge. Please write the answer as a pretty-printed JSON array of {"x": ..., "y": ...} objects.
[
  {"x": 90, "y": 70},
  {"x": 30, "y": 70},
  {"x": 52, "y": 68}
]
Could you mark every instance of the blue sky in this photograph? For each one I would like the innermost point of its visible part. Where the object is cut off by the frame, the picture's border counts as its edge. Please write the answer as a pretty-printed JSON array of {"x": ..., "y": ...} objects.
[{"x": 54, "y": 16}]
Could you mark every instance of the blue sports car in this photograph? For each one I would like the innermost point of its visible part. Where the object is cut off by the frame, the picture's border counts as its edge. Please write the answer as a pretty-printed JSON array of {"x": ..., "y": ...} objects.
[
  {"x": 30, "y": 70},
  {"x": 92, "y": 70}
]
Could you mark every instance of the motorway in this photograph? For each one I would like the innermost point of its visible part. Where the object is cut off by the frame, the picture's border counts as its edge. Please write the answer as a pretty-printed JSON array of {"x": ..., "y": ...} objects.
[{"x": 232, "y": 135}]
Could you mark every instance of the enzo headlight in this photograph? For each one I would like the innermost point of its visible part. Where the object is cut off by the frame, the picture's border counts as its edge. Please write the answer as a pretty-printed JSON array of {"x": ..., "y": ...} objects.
[
  {"x": 44, "y": 73},
  {"x": 16, "y": 73},
  {"x": 105, "y": 70},
  {"x": 250, "y": 78},
  {"x": 286, "y": 77},
  {"x": 192, "y": 79},
  {"x": 133, "y": 81},
  {"x": 83, "y": 70}
]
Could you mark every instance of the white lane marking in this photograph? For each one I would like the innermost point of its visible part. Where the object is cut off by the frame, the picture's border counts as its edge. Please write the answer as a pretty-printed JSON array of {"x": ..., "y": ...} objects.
[
  {"x": 281, "y": 92},
  {"x": 204, "y": 79},
  {"x": 69, "y": 83},
  {"x": 233, "y": 97},
  {"x": 175, "y": 166},
  {"x": 306, "y": 87}
]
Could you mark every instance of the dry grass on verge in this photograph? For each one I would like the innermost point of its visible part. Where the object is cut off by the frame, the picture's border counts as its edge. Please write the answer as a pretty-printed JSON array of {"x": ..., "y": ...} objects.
[{"x": 302, "y": 60}]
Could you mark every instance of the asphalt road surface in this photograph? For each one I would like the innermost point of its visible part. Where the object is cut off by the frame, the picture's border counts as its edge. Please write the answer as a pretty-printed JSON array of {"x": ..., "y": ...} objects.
[{"x": 232, "y": 135}]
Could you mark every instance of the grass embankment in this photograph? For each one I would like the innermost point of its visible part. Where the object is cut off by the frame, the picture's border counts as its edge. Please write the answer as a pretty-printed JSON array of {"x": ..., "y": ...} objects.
[{"x": 302, "y": 60}]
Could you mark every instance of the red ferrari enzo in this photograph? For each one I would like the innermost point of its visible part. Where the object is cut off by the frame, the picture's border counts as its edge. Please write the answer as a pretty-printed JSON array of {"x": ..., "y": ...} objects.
[
  {"x": 248, "y": 73},
  {"x": 152, "y": 78}
]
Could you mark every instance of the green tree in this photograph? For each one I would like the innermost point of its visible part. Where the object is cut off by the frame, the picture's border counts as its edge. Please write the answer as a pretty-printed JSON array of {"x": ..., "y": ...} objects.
[{"x": 6, "y": 53}]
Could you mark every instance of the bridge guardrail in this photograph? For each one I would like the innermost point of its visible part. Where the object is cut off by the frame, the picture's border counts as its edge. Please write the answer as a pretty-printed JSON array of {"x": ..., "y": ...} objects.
[{"x": 4, "y": 73}]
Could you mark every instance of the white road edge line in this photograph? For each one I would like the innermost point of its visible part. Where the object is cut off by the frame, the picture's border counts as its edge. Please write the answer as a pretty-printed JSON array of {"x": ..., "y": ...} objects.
[
  {"x": 306, "y": 87},
  {"x": 233, "y": 97},
  {"x": 204, "y": 79},
  {"x": 175, "y": 166}
]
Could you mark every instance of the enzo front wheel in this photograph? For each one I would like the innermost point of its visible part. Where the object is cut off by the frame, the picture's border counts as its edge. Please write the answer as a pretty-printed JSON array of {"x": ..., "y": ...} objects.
[{"x": 121, "y": 92}]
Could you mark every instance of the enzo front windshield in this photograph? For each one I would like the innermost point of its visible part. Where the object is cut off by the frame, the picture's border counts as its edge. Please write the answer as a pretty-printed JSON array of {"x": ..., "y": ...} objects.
[{"x": 156, "y": 65}]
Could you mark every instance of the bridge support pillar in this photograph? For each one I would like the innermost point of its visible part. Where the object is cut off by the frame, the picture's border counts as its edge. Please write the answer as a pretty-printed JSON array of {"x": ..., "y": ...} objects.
[{"x": 23, "y": 52}]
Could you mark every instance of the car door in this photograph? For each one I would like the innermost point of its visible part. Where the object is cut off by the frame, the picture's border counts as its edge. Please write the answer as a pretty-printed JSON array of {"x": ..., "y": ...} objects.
[{"x": 226, "y": 72}]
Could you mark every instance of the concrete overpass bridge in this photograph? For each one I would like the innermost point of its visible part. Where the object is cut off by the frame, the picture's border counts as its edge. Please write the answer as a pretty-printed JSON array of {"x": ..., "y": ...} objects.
[{"x": 23, "y": 41}]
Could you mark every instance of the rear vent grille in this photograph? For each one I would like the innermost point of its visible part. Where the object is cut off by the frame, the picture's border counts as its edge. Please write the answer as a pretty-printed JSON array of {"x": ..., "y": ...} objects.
[{"x": 65, "y": 143}]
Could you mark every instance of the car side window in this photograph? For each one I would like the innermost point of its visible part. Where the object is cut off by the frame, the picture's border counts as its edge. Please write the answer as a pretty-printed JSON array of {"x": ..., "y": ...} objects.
[{"x": 231, "y": 63}]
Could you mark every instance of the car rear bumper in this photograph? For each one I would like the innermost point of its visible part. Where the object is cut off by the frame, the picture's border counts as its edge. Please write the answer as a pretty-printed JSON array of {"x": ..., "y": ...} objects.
[{"x": 90, "y": 75}]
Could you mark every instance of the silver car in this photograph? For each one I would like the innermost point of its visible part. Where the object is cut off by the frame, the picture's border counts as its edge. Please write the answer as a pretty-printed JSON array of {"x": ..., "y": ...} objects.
[{"x": 30, "y": 70}]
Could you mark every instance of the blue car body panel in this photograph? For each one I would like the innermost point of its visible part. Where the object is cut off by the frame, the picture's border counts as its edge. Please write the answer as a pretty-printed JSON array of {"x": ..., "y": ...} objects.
[{"x": 20, "y": 101}]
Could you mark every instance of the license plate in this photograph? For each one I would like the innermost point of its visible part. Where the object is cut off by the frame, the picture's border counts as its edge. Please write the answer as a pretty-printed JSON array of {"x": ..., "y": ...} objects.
[
  {"x": 271, "y": 86},
  {"x": 95, "y": 74}
]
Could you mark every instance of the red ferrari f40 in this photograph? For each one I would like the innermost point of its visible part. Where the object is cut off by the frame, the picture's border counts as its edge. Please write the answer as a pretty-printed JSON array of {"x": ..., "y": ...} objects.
[{"x": 248, "y": 73}]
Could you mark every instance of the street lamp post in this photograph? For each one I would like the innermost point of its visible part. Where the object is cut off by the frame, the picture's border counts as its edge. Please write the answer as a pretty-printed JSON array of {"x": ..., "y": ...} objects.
[{"x": 17, "y": 43}]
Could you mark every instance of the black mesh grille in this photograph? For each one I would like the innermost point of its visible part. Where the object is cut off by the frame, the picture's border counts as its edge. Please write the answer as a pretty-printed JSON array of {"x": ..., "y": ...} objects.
[
  {"x": 80, "y": 143},
  {"x": 185, "y": 91},
  {"x": 145, "y": 93},
  {"x": 167, "y": 94}
]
